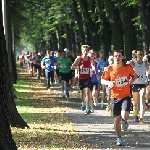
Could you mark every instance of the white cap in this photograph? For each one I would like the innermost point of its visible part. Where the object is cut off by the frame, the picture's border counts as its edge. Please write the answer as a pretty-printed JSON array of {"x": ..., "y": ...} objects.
[
  {"x": 66, "y": 49},
  {"x": 128, "y": 62}
]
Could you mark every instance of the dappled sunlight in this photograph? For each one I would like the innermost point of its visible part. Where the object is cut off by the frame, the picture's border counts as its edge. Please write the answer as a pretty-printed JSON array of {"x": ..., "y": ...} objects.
[
  {"x": 23, "y": 109},
  {"x": 45, "y": 115}
]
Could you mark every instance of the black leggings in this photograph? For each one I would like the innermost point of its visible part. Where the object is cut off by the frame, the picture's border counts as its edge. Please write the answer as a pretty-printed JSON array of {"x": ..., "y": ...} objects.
[{"x": 49, "y": 77}]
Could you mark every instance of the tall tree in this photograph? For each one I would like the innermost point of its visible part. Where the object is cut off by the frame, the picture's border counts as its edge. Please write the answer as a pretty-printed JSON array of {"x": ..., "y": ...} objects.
[
  {"x": 144, "y": 10},
  {"x": 112, "y": 12},
  {"x": 15, "y": 119},
  {"x": 128, "y": 13},
  {"x": 6, "y": 141}
]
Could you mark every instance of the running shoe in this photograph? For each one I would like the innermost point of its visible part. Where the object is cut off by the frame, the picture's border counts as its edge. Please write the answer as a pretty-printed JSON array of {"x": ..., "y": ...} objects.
[
  {"x": 87, "y": 112},
  {"x": 63, "y": 96},
  {"x": 146, "y": 106},
  {"x": 102, "y": 105},
  {"x": 125, "y": 125},
  {"x": 141, "y": 120},
  {"x": 136, "y": 119},
  {"x": 71, "y": 89},
  {"x": 108, "y": 108},
  {"x": 49, "y": 90},
  {"x": 83, "y": 107},
  {"x": 67, "y": 95},
  {"x": 92, "y": 110},
  {"x": 119, "y": 142},
  {"x": 95, "y": 102}
]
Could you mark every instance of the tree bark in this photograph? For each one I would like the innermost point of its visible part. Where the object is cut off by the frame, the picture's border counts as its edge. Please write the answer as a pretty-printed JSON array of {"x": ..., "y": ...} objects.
[
  {"x": 129, "y": 30},
  {"x": 14, "y": 117},
  {"x": 116, "y": 24},
  {"x": 144, "y": 9},
  {"x": 6, "y": 141}
]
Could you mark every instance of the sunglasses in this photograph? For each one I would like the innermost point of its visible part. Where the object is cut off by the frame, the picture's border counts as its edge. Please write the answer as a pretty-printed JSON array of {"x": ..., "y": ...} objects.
[{"x": 140, "y": 54}]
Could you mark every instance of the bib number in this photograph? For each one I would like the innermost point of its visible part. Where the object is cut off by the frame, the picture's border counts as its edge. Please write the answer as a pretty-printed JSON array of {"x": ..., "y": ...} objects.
[
  {"x": 140, "y": 77},
  {"x": 121, "y": 82},
  {"x": 84, "y": 71},
  {"x": 63, "y": 66},
  {"x": 48, "y": 62}
]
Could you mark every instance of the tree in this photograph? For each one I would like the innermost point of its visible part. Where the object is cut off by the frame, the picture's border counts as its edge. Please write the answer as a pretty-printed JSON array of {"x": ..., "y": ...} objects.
[
  {"x": 14, "y": 117},
  {"x": 6, "y": 141}
]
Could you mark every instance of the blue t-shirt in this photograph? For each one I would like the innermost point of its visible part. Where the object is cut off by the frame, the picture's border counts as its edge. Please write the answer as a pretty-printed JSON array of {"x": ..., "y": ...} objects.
[
  {"x": 48, "y": 62},
  {"x": 102, "y": 65},
  {"x": 94, "y": 76}
]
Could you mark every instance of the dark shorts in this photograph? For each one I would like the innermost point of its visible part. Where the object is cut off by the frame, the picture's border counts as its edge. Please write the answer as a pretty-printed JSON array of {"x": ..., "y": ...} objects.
[
  {"x": 38, "y": 67},
  {"x": 72, "y": 73},
  {"x": 84, "y": 83},
  {"x": 94, "y": 86},
  {"x": 120, "y": 104},
  {"x": 57, "y": 72},
  {"x": 64, "y": 76},
  {"x": 137, "y": 87}
]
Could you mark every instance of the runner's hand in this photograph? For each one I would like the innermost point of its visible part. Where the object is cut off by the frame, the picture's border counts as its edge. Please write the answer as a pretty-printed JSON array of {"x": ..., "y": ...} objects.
[{"x": 111, "y": 84}]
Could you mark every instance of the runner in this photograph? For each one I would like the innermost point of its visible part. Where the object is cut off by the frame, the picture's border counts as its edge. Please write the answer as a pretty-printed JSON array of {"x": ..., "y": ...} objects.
[
  {"x": 94, "y": 81},
  {"x": 147, "y": 59},
  {"x": 103, "y": 63},
  {"x": 134, "y": 56},
  {"x": 84, "y": 63},
  {"x": 139, "y": 85},
  {"x": 57, "y": 77},
  {"x": 64, "y": 64},
  {"x": 48, "y": 64},
  {"x": 108, "y": 108},
  {"x": 118, "y": 77}
]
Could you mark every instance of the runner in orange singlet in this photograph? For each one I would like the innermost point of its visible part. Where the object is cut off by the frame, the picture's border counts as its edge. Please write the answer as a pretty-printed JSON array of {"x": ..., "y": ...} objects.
[{"x": 118, "y": 77}]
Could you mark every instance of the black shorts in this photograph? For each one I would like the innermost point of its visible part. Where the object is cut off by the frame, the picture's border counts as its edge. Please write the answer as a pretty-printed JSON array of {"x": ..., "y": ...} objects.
[
  {"x": 38, "y": 67},
  {"x": 137, "y": 87},
  {"x": 64, "y": 76},
  {"x": 94, "y": 86},
  {"x": 57, "y": 72},
  {"x": 72, "y": 73},
  {"x": 84, "y": 83},
  {"x": 120, "y": 104}
]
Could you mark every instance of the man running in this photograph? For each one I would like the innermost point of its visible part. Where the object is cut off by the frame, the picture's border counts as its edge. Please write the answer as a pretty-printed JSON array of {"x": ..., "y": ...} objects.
[
  {"x": 103, "y": 63},
  {"x": 84, "y": 63},
  {"x": 118, "y": 77},
  {"x": 94, "y": 81},
  {"x": 64, "y": 64}
]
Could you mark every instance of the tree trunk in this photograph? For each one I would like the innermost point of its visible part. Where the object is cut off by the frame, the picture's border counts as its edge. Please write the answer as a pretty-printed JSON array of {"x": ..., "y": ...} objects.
[
  {"x": 106, "y": 35},
  {"x": 14, "y": 117},
  {"x": 128, "y": 29},
  {"x": 81, "y": 36},
  {"x": 116, "y": 25},
  {"x": 144, "y": 9},
  {"x": 6, "y": 141}
]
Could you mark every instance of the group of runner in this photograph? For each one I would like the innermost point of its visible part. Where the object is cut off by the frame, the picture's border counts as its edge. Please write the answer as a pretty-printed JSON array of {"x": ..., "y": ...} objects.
[{"x": 121, "y": 83}]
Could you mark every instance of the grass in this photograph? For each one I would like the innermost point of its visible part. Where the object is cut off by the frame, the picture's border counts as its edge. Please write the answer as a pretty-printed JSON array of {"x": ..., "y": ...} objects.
[{"x": 49, "y": 127}]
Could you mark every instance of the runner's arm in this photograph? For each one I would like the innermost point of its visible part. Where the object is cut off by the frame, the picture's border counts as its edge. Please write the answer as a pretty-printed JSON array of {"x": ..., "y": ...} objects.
[{"x": 75, "y": 64}]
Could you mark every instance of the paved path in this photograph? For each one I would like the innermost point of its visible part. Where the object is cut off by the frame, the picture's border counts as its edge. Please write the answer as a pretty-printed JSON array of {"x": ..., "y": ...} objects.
[{"x": 97, "y": 128}]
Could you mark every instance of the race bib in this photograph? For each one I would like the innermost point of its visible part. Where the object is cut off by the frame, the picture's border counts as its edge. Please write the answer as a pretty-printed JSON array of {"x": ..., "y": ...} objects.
[
  {"x": 84, "y": 71},
  {"x": 63, "y": 66},
  {"x": 48, "y": 62},
  {"x": 121, "y": 82},
  {"x": 140, "y": 77}
]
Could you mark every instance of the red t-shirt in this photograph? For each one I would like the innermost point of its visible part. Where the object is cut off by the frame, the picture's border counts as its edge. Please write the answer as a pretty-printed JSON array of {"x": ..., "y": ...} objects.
[{"x": 85, "y": 72}]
